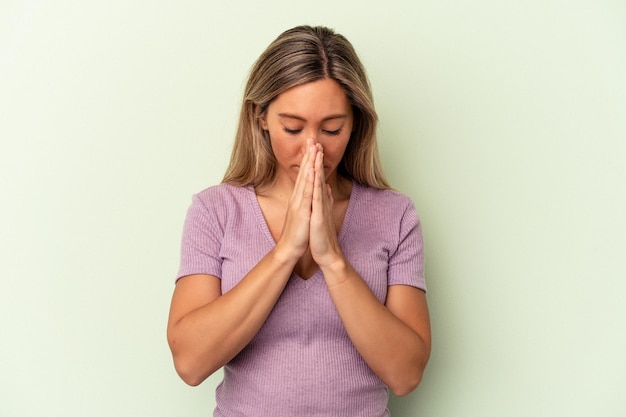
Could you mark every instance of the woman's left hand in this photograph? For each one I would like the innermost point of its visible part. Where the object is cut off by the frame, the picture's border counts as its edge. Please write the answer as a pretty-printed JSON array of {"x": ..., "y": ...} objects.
[
  {"x": 393, "y": 338},
  {"x": 323, "y": 242}
]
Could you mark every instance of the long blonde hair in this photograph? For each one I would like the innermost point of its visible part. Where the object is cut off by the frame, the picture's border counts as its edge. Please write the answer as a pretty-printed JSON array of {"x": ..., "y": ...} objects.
[{"x": 300, "y": 55}]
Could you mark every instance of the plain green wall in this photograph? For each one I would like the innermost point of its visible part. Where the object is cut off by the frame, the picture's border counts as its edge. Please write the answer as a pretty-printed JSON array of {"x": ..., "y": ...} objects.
[{"x": 505, "y": 121}]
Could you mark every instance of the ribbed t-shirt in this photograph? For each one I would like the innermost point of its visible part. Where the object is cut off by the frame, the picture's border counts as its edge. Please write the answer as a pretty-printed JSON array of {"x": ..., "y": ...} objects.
[{"x": 302, "y": 362}]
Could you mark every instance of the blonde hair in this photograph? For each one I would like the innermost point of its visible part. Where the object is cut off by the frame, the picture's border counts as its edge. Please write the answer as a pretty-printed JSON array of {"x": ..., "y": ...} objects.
[{"x": 300, "y": 55}]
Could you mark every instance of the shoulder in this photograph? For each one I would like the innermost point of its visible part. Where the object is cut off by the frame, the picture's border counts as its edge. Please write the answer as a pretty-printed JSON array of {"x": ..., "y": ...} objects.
[
  {"x": 392, "y": 211},
  {"x": 221, "y": 201},
  {"x": 225, "y": 190},
  {"x": 222, "y": 195},
  {"x": 387, "y": 201}
]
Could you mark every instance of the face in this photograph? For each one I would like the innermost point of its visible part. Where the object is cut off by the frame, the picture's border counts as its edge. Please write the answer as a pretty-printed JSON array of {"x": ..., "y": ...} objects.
[{"x": 319, "y": 110}]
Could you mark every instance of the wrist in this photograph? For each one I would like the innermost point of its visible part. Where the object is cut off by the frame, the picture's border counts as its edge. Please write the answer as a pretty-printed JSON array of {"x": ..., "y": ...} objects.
[
  {"x": 334, "y": 266},
  {"x": 285, "y": 255},
  {"x": 337, "y": 272}
]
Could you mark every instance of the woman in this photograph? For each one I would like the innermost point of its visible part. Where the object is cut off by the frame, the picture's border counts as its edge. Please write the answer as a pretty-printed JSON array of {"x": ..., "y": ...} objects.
[{"x": 302, "y": 273}]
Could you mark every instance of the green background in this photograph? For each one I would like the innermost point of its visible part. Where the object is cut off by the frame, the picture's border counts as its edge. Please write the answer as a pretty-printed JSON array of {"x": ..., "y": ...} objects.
[{"x": 505, "y": 121}]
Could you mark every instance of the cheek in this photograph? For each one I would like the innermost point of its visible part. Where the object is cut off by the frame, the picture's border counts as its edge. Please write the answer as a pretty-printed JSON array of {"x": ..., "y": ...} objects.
[
  {"x": 335, "y": 148},
  {"x": 284, "y": 145}
]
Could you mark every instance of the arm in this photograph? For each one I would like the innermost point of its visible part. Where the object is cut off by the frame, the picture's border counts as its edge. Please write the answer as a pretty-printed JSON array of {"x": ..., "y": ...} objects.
[
  {"x": 393, "y": 338},
  {"x": 207, "y": 329}
]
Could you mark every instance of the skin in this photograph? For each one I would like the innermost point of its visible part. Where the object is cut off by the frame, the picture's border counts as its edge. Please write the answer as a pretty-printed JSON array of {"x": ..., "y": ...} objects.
[{"x": 309, "y": 128}]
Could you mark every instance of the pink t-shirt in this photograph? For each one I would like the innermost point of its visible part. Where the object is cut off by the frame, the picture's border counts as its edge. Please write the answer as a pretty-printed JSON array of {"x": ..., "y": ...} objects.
[{"x": 302, "y": 362}]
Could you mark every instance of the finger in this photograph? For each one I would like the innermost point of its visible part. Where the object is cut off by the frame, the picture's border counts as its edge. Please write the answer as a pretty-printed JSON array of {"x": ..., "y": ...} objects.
[
  {"x": 319, "y": 161},
  {"x": 318, "y": 183},
  {"x": 305, "y": 160},
  {"x": 304, "y": 171},
  {"x": 309, "y": 167},
  {"x": 319, "y": 165},
  {"x": 324, "y": 187}
]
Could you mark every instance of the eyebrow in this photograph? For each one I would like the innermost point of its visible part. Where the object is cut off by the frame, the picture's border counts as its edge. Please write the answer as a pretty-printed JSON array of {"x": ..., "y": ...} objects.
[{"x": 295, "y": 116}]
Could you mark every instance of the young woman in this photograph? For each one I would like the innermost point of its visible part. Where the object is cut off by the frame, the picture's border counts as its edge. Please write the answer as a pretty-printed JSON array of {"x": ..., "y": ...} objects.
[{"x": 302, "y": 273}]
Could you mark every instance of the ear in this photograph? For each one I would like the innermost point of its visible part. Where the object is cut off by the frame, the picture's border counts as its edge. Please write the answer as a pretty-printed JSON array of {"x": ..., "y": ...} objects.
[
  {"x": 262, "y": 116},
  {"x": 263, "y": 122}
]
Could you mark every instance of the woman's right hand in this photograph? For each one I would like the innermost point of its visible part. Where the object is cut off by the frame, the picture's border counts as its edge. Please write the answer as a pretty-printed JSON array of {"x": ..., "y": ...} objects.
[
  {"x": 206, "y": 328},
  {"x": 294, "y": 239}
]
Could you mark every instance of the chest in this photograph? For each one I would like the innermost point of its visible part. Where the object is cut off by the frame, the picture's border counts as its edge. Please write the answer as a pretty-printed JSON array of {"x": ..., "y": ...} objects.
[
  {"x": 250, "y": 232},
  {"x": 275, "y": 212}
]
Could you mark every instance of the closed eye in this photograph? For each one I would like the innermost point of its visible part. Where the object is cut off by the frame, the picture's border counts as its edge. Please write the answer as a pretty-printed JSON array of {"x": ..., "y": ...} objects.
[
  {"x": 332, "y": 132},
  {"x": 297, "y": 131},
  {"x": 291, "y": 131}
]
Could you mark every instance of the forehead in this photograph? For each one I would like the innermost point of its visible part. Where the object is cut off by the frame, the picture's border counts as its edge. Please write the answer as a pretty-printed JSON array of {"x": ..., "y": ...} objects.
[{"x": 314, "y": 100}]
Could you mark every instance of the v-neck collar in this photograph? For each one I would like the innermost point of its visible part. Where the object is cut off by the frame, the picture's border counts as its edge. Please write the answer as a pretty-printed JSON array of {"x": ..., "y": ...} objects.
[{"x": 345, "y": 225}]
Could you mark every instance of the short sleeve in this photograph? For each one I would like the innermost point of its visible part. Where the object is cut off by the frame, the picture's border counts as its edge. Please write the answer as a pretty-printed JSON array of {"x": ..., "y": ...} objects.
[
  {"x": 201, "y": 241},
  {"x": 406, "y": 263}
]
